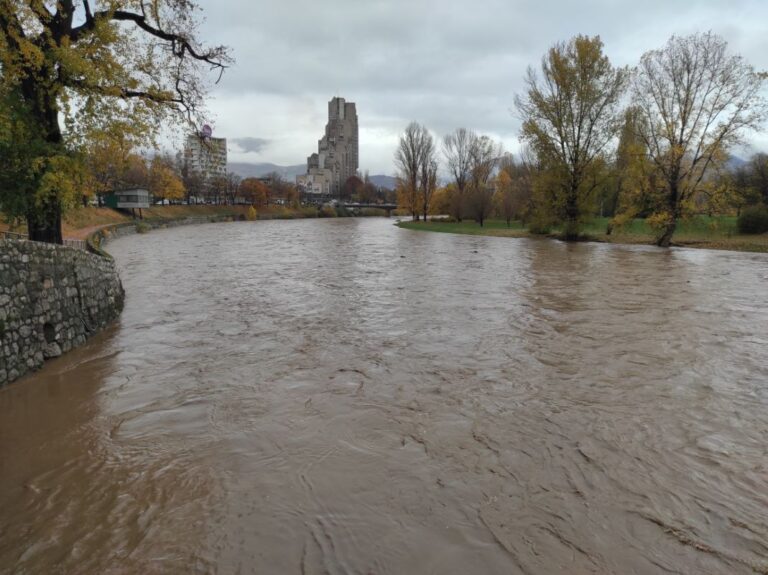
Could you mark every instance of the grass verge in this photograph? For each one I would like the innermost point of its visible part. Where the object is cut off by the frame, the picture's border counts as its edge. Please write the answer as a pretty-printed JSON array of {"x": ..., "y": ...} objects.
[{"x": 710, "y": 232}]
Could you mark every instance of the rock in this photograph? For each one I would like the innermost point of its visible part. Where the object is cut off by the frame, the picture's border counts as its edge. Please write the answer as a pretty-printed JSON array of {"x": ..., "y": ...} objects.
[{"x": 51, "y": 350}]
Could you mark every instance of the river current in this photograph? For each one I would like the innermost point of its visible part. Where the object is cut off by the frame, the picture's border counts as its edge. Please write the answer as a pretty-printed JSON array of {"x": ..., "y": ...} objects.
[{"x": 343, "y": 396}]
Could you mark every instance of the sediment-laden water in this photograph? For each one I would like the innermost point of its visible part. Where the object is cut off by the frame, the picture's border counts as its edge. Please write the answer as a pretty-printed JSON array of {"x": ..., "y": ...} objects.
[{"x": 343, "y": 396}]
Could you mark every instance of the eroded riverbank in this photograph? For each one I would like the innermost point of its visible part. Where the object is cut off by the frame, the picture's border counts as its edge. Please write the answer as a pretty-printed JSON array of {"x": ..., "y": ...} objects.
[{"x": 345, "y": 396}]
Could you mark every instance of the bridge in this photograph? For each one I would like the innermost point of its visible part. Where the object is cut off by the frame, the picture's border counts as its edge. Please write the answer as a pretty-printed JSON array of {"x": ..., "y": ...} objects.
[{"x": 389, "y": 208}]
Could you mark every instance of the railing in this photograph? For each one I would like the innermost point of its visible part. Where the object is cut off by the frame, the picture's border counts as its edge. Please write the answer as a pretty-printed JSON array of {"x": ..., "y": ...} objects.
[
  {"x": 76, "y": 244},
  {"x": 15, "y": 236}
]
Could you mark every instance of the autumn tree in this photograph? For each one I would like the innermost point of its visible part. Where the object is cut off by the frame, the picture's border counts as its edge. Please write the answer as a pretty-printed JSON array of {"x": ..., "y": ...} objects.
[
  {"x": 695, "y": 101},
  {"x": 107, "y": 159},
  {"x": 457, "y": 149},
  {"x": 164, "y": 182},
  {"x": 410, "y": 159},
  {"x": 570, "y": 117},
  {"x": 85, "y": 65},
  {"x": 634, "y": 177},
  {"x": 255, "y": 191}
]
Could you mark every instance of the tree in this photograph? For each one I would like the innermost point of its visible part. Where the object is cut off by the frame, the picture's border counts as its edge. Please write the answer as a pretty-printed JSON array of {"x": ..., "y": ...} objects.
[
  {"x": 635, "y": 180},
  {"x": 107, "y": 160},
  {"x": 232, "y": 187},
  {"x": 570, "y": 117},
  {"x": 457, "y": 148},
  {"x": 514, "y": 192},
  {"x": 441, "y": 200},
  {"x": 409, "y": 158},
  {"x": 88, "y": 66},
  {"x": 352, "y": 188},
  {"x": 505, "y": 197},
  {"x": 694, "y": 101},
  {"x": 757, "y": 176},
  {"x": 483, "y": 157},
  {"x": 255, "y": 191},
  {"x": 427, "y": 174},
  {"x": 164, "y": 183},
  {"x": 369, "y": 192}
]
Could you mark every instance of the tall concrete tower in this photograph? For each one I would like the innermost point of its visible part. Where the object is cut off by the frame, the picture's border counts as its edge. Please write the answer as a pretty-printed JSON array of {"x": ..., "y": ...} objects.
[{"x": 337, "y": 156}]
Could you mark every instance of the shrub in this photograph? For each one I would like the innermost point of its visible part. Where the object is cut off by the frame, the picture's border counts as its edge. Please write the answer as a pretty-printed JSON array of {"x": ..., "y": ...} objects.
[
  {"x": 539, "y": 226},
  {"x": 142, "y": 228},
  {"x": 753, "y": 220},
  {"x": 251, "y": 215},
  {"x": 327, "y": 211}
]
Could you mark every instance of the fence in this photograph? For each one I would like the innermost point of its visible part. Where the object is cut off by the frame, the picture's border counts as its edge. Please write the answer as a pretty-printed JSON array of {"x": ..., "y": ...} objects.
[{"x": 76, "y": 244}]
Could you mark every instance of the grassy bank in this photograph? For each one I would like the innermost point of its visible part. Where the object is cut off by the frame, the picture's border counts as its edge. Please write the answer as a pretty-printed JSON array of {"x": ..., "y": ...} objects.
[{"x": 718, "y": 232}]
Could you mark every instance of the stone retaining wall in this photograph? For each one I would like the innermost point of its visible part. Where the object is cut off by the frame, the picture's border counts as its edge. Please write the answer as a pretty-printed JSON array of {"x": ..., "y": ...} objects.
[{"x": 52, "y": 298}]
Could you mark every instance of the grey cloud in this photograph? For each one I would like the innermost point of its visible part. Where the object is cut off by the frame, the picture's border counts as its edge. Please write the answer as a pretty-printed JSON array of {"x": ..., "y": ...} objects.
[
  {"x": 445, "y": 63},
  {"x": 251, "y": 144}
]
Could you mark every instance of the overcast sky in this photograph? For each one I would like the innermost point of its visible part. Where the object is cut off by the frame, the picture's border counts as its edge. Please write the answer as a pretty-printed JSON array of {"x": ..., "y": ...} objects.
[{"x": 443, "y": 63}]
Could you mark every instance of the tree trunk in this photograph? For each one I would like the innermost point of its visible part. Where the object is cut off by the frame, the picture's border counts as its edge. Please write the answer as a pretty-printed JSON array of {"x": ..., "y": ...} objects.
[
  {"x": 44, "y": 222},
  {"x": 665, "y": 239},
  {"x": 44, "y": 218},
  {"x": 571, "y": 232}
]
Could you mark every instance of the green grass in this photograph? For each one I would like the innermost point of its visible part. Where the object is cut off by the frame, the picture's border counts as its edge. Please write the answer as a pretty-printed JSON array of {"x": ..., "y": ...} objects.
[
  {"x": 712, "y": 232},
  {"x": 490, "y": 228}
]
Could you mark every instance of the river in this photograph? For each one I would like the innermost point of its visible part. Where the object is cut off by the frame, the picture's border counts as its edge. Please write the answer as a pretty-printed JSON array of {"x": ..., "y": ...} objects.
[{"x": 343, "y": 396}]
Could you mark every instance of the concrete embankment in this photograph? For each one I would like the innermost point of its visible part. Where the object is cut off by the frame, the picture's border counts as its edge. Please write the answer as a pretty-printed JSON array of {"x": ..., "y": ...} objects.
[{"x": 52, "y": 298}]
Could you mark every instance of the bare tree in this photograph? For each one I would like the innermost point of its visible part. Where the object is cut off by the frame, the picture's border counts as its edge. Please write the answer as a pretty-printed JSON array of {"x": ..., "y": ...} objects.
[
  {"x": 409, "y": 159},
  {"x": 694, "y": 101},
  {"x": 427, "y": 173},
  {"x": 457, "y": 148},
  {"x": 570, "y": 117},
  {"x": 232, "y": 186},
  {"x": 483, "y": 157}
]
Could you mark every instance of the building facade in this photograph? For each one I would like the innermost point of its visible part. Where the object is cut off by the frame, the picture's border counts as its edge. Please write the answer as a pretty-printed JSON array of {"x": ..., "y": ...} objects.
[
  {"x": 337, "y": 156},
  {"x": 206, "y": 156}
]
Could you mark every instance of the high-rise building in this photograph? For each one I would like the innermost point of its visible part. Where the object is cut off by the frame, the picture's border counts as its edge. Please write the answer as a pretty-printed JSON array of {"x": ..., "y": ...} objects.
[
  {"x": 337, "y": 156},
  {"x": 205, "y": 155}
]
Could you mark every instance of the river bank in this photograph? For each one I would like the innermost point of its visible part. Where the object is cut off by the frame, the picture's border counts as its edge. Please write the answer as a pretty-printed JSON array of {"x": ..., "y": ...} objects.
[
  {"x": 717, "y": 233},
  {"x": 82, "y": 222}
]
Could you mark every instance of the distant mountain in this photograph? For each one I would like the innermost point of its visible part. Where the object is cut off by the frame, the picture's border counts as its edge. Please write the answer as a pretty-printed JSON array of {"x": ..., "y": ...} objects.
[
  {"x": 734, "y": 163},
  {"x": 249, "y": 170},
  {"x": 387, "y": 182}
]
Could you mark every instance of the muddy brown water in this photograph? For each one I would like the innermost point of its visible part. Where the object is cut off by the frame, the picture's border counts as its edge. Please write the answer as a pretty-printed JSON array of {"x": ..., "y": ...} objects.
[{"x": 348, "y": 397}]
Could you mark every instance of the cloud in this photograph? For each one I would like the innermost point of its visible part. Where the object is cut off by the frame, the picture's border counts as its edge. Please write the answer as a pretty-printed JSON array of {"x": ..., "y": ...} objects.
[
  {"x": 256, "y": 145},
  {"x": 444, "y": 63}
]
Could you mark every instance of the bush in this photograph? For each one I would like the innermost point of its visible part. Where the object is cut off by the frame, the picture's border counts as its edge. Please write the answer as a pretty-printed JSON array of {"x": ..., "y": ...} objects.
[
  {"x": 327, "y": 211},
  {"x": 753, "y": 220},
  {"x": 142, "y": 228},
  {"x": 251, "y": 215},
  {"x": 539, "y": 226}
]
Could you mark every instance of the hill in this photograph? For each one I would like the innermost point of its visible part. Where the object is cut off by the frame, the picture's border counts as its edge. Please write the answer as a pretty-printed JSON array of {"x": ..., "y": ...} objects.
[
  {"x": 387, "y": 182},
  {"x": 249, "y": 170}
]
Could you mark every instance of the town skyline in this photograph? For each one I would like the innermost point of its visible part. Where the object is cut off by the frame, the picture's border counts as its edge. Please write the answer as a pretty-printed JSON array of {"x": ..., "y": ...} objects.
[{"x": 460, "y": 73}]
